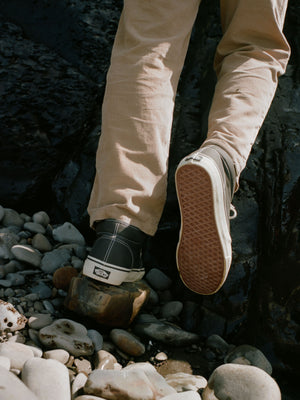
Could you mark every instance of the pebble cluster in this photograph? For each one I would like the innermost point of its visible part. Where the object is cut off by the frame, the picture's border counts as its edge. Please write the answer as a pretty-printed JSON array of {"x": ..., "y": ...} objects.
[{"x": 45, "y": 355}]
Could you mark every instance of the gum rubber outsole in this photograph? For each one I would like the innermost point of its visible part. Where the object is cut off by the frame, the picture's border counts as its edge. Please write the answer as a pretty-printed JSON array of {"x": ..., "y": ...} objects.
[{"x": 200, "y": 255}]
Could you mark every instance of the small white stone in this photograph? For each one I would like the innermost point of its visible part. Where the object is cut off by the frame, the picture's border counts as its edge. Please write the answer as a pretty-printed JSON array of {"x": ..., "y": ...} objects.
[
  {"x": 12, "y": 388},
  {"x": 78, "y": 383},
  {"x": 26, "y": 253},
  {"x": 157, "y": 381},
  {"x": 182, "y": 382},
  {"x": 60, "y": 355},
  {"x": 5, "y": 362},
  {"x": 17, "y": 338},
  {"x": 37, "y": 351},
  {"x": 18, "y": 353},
  {"x": 10, "y": 319},
  {"x": 48, "y": 379},
  {"x": 133, "y": 385},
  {"x": 68, "y": 233},
  {"x": 83, "y": 366},
  {"x": 105, "y": 360},
  {"x": 161, "y": 356}
]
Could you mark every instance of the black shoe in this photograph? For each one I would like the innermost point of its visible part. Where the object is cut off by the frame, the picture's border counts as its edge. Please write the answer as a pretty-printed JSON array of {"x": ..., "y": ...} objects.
[{"x": 116, "y": 255}]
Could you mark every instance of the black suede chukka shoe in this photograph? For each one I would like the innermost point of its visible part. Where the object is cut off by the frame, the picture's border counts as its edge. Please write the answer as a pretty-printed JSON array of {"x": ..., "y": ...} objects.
[{"x": 116, "y": 255}]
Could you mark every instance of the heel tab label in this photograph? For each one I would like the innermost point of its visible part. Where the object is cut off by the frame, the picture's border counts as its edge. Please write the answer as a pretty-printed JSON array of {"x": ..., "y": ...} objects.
[{"x": 102, "y": 273}]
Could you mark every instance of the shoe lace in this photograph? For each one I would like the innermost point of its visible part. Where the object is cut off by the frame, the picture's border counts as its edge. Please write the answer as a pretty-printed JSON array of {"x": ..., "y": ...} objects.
[{"x": 233, "y": 212}]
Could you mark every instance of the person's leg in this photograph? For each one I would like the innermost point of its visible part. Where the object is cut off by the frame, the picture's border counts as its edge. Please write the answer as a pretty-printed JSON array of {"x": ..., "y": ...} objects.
[
  {"x": 131, "y": 167},
  {"x": 251, "y": 55},
  {"x": 132, "y": 158}
]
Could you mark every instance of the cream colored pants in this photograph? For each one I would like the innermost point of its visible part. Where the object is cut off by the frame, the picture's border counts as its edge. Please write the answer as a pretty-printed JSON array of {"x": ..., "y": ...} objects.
[{"x": 147, "y": 59}]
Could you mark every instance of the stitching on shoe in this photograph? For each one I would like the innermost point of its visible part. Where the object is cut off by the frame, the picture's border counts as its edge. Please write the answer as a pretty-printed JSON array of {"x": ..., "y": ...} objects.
[{"x": 111, "y": 242}]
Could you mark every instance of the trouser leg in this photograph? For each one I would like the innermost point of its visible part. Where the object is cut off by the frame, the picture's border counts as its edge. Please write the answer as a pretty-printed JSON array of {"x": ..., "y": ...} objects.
[
  {"x": 251, "y": 55},
  {"x": 147, "y": 59}
]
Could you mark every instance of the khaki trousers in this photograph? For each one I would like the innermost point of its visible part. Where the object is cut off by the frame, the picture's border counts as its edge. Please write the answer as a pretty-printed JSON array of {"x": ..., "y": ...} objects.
[{"x": 147, "y": 59}]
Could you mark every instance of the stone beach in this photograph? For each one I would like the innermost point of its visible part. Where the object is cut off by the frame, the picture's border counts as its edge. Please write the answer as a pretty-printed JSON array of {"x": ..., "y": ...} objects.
[{"x": 47, "y": 352}]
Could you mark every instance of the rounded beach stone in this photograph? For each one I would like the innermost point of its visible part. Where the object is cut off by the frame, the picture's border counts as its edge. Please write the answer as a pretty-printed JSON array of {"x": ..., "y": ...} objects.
[
  {"x": 55, "y": 259},
  {"x": 105, "y": 360},
  {"x": 217, "y": 344},
  {"x": 41, "y": 217},
  {"x": 18, "y": 353},
  {"x": 27, "y": 254},
  {"x": 126, "y": 342},
  {"x": 41, "y": 243},
  {"x": 48, "y": 379},
  {"x": 252, "y": 354},
  {"x": 11, "y": 217},
  {"x": 9, "y": 239},
  {"x": 12, "y": 388},
  {"x": 96, "y": 338},
  {"x": 68, "y": 335},
  {"x": 83, "y": 366},
  {"x": 159, "y": 384},
  {"x": 133, "y": 385},
  {"x": 10, "y": 319},
  {"x": 62, "y": 277},
  {"x": 5, "y": 362},
  {"x": 68, "y": 233},
  {"x": 39, "y": 321},
  {"x": 34, "y": 227},
  {"x": 182, "y": 382},
  {"x": 60, "y": 355},
  {"x": 37, "y": 351},
  {"x": 236, "y": 382},
  {"x": 158, "y": 280},
  {"x": 163, "y": 331},
  {"x": 78, "y": 383},
  {"x": 171, "y": 309}
]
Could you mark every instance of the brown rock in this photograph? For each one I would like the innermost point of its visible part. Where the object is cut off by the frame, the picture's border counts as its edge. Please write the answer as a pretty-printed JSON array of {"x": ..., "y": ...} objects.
[
  {"x": 115, "y": 306},
  {"x": 63, "y": 276}
]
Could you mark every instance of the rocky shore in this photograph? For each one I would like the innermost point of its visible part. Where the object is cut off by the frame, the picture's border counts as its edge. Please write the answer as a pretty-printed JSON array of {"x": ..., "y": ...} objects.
[{"x": 47, "y": 352}]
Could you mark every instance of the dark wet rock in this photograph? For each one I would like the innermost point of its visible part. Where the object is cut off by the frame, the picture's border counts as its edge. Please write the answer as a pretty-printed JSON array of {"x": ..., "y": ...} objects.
[{"x": 164, "y": 332}]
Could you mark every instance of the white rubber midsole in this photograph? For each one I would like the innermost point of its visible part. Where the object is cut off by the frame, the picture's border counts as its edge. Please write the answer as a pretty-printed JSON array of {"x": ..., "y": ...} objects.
[
  {"x": 109, "y": 273},
  {"x": 201, "y": 160}
]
